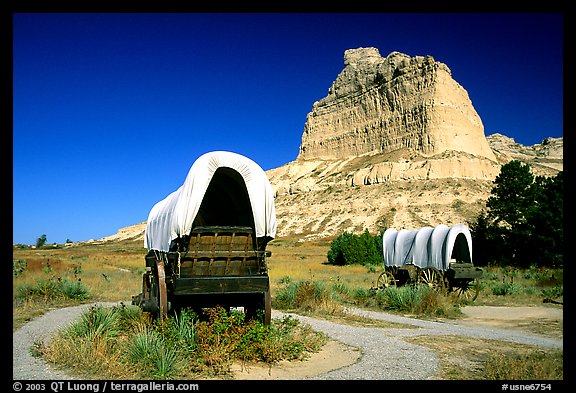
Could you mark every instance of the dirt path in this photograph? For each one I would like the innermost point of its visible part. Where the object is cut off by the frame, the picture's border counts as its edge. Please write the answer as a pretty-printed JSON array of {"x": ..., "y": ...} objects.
[
  {"x": 518, "y": 321},
  {"x": 352, "y": 353}
]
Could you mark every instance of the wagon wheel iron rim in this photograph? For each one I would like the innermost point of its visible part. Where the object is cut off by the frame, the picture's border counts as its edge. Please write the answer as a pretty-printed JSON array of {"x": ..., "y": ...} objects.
[{"x": 433, "y": 278}]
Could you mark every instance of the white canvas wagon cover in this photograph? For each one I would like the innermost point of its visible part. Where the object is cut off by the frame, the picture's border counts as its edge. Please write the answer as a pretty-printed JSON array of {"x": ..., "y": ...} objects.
[
  {"x": 427, "y": 246},
  {"x": 237, "y": 192}
]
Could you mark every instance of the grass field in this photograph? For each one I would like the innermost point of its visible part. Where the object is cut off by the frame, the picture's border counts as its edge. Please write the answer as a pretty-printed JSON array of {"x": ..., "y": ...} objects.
[
  {"x": 113, "y": 272},
  {"x": 53, "y": 277}
]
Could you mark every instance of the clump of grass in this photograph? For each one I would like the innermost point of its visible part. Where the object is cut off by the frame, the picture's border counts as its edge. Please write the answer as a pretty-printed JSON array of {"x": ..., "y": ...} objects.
[
  {"x": 98, "y": 322},
  {"x": 416, "y": 300},
  {"x": 507, "y": 289},
  {"x": 89, "y": 345},
  {"x": 51, "y": 289},
  {"x": 18, "y": 267},
  {"x": 74, "y": 290},
  {"x": 123, "y": 342},
  {"x": 150, "y": 354},
  {"x": 312, "y": 296}
]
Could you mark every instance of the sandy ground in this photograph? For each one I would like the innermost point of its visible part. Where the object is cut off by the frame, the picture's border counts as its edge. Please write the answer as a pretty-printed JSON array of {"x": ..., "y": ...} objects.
[
  {"x": 335, "y": 355},
  {"x": 509, "y": 317}
]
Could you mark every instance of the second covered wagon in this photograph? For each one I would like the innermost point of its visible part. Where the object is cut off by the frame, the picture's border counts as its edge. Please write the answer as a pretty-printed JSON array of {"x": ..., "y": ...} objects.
[{"x": 440, "y": 257}]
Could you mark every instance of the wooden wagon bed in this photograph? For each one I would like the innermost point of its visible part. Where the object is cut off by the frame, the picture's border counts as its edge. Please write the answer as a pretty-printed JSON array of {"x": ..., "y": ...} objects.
[{"x": 215, "y": 265}]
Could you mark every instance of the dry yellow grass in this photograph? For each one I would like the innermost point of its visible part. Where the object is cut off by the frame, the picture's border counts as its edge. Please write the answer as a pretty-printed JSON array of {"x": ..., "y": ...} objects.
[
  {"x": 308, "y": 261},
  {"x": 112, "y": 271}
]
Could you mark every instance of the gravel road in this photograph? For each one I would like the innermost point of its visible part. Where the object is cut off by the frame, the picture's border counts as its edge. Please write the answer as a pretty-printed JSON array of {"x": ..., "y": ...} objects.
[{"x": 385, "y": 355}]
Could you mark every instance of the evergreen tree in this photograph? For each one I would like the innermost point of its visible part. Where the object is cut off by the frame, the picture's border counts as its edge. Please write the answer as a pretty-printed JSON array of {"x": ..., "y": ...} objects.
[
  {"x": 523, "y": 224},
  {"x": 546, "y": 222}
]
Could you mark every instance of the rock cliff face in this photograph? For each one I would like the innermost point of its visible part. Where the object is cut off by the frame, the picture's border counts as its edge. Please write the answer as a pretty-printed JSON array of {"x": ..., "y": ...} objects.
[
  {"x": 318, "y": 199},
  {"x": 545, "y": 158},
  {"x": 395, "y": 143},
  {"x": 379, "y": 105}
]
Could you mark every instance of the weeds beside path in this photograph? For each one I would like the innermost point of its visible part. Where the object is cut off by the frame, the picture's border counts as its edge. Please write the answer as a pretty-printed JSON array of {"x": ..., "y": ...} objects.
[{"x": 25, "y": 366}]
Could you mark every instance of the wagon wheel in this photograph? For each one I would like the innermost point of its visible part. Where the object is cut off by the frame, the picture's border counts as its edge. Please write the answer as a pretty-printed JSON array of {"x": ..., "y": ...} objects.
[
  {"x": 467, "y": 290},
  {"x": 432, "y": 277},
  {"x": 159, "y": 290},
  {"x": 386, "y": 280}
]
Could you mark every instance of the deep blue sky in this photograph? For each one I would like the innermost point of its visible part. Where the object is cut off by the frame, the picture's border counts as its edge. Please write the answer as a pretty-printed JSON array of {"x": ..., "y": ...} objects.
[{"x": 111, "y": 110}]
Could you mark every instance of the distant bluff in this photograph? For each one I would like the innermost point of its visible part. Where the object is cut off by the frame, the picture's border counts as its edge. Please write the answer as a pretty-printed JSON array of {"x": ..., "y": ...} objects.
[{"x": 383, "y": 104}]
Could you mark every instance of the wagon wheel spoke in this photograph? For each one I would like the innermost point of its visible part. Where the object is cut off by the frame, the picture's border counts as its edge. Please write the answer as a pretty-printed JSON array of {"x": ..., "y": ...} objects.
[
  {"x": 467, "y": 290},
  {"x": 432, "y": 278},
  {"x": 386, "y": 280}
]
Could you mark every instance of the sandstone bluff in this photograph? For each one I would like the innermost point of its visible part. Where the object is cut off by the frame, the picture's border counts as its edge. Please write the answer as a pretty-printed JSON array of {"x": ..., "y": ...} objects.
[
  {"x": 380, "y": 105},
  {"x": 396, "y": 142}
]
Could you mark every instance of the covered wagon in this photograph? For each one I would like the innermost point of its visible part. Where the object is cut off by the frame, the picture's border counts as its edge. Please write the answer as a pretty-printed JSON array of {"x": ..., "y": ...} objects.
[
  {"x": 440, "y": 257},
  {"x": 207, "y": 240}
]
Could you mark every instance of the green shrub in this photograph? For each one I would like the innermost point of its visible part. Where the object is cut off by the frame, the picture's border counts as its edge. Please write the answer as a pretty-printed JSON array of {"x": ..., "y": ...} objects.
[
  {"x": 507, "y": 288},
  {"x": 348, "y": 248},
  {"x": 554, "y": 292},
  {"x": 337, "y": 246}
]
